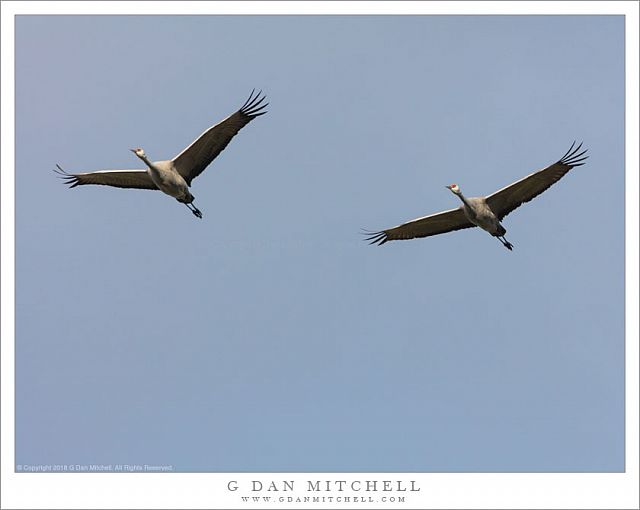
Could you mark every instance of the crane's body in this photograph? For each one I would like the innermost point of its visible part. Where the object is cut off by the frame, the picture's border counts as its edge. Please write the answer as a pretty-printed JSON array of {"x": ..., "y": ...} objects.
[
  {"x": 484, "y": 212},
  {"x": 174, "y": 176},
  {"x": 167, "y": 179},
  {"x": 478, "y": 212}
]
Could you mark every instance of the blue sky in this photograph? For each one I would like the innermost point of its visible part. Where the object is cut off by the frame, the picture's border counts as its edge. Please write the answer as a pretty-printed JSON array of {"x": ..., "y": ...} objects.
[{"x": 268, "y": 336}]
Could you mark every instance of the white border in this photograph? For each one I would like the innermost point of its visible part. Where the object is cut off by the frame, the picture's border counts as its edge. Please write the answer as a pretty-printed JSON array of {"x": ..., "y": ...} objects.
[{"x": 542, "y": 490}]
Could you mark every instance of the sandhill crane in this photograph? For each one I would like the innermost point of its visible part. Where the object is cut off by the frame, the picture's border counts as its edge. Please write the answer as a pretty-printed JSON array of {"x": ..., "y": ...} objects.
[
  {"x": 174, "y": 177},
  {"x": 484, "y": 212}
]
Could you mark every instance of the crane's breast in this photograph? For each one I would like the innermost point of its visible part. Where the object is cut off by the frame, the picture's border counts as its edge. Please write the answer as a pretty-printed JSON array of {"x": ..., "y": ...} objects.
[{"x": 479, "y": 213}]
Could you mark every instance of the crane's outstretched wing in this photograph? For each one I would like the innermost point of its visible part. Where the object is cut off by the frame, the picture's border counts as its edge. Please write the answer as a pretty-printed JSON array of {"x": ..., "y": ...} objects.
[
  {"x": 505, "y": 200},
  {"x": 192, "y": 161},
  {"x": 439, "y": 223},
  {"x": 118, "y": 178}
]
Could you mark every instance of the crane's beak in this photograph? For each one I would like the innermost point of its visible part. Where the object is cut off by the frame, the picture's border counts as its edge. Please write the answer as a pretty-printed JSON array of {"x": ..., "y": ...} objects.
[{"x": 133, "y": 150}]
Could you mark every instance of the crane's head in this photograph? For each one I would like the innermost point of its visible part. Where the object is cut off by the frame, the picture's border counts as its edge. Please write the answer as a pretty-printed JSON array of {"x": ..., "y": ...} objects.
[
  {"x": 454, "y": 188},
  {"x": 139, "y": 151}
]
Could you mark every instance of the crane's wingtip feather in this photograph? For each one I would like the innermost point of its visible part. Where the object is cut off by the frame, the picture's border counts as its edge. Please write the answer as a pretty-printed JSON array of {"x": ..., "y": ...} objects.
[
  {"x": 256, "y": 103},
  {"x": 573, "y": 157},
  {"x": 567, "y": 153},
  {"x": 253, "y": 107},
  {"x": 253, "y": 104},
  {"x": 68, "y": 178},
  {"x": 60, "y": 170},
  {"x": 578, "y": 155},
  {"x": 378, "y": 238},
  {"x": 249, "y": 99}
]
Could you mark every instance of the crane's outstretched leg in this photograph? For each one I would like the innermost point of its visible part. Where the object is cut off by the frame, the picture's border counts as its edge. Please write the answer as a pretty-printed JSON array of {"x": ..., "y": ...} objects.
[
  {"x": 506, "y": 243},
  {"x": 194, "y": 210}
]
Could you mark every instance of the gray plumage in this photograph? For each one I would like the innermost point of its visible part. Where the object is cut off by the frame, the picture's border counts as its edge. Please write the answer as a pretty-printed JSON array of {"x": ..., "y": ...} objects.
[
  {"x": 484, "y": 212},
  {"x": 174, "y": 177}
]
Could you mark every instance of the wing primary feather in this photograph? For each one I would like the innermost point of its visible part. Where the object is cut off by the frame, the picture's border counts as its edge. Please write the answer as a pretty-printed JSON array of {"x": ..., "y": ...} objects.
[
  {"x": 567, "y": 153},
  {"x": 572, "y": 154},
  {"x": 575, "y": 159},
  {"x": 577, "y": 148},
  {"x": 578, "y": 162},
  {"x": 253, "y": 115},
  {"x": 378, "y": 238},
  {"x": 68, "y": 178},
  {"x": 253, "y": 109},
  {"x": 61, "y": 171},
  {"x": 255, "y": 104},
  {"x": 578, "y": 155},
  {"x": 252, "y": 102},
  {"x": 248, "y": 100}
]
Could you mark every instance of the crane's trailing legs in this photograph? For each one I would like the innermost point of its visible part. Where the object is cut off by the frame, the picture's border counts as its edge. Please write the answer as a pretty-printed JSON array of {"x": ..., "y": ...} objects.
[
  {"x": 194, "y": 209},
  {"x": 506, "y": 243}
]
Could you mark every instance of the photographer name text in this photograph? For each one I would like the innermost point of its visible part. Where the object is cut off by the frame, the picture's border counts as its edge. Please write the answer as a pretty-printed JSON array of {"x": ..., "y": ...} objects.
[{"x": 325, "y": 486}]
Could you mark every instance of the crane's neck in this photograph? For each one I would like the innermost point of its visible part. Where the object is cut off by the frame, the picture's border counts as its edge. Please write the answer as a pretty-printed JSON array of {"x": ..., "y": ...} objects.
[
  {"x": 462, "y": 197},
  {"x": 146, "y": 161}
]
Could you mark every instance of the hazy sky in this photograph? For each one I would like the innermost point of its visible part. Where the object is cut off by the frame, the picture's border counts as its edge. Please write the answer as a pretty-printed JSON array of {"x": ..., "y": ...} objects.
[{"x": 268, "y": 336}]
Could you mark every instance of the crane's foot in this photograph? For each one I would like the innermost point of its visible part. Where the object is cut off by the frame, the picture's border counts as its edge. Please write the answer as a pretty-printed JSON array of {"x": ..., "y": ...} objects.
[
  {"x": 506, "y": 243},
  {"x": 196, "y": 212}
]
